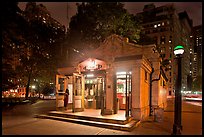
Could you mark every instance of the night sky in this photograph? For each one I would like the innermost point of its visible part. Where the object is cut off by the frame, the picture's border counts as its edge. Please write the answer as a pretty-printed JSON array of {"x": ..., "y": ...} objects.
[{"x": 58, "y": 10}]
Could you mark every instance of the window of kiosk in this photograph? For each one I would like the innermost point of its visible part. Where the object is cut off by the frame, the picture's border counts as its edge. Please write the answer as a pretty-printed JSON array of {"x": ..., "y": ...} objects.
[
  {"x": 90, "y": 88},
  {"x": 123, "y": 80},
  {"x": 61, "y": 86},
  {"x": 78, "y": 91},
  {"x": 70, "y": 88}
]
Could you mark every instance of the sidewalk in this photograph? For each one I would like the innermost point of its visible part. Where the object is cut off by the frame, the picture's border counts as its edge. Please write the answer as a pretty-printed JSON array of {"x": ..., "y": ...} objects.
[{"x": 191, "y": 121}]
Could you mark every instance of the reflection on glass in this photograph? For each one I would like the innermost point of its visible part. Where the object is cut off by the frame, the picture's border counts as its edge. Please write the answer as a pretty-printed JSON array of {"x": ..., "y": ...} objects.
[
  {"x": 78, "y": 86},
  {"x": 123, "y": 87}
]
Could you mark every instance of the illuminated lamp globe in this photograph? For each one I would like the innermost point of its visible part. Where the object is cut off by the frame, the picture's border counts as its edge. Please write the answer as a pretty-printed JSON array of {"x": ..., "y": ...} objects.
[{"x": 178, "y": 50}]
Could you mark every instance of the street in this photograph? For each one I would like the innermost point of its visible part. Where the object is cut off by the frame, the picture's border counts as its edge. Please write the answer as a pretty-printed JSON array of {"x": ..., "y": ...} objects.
[{"x": 20, "y": 121}]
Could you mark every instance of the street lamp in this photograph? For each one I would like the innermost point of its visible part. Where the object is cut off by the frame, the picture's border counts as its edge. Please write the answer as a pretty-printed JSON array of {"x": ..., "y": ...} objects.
[{"x": 178, "y": 51}]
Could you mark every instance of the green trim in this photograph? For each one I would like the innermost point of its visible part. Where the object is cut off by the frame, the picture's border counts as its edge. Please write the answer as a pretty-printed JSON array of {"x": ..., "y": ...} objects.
[{"x": 178, "y": 47}]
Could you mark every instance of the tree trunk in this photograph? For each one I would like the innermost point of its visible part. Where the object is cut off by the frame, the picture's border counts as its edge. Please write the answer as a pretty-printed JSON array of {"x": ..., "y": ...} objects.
[{"x": 27, "y": 86}]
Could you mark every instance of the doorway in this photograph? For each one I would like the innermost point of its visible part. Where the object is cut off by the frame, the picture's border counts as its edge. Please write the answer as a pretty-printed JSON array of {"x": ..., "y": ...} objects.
[
  {"x": 93, "y": 92},
  {"x": 123, "y": 91}
]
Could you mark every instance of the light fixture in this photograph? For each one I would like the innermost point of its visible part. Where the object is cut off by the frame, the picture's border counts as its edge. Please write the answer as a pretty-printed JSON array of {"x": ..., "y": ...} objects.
[
  {"x": 120, "y": 73},
  {"x": 91, "y": 65},
  {"x": 178, "y": 50},
  {"x": 89, "y": 75}
]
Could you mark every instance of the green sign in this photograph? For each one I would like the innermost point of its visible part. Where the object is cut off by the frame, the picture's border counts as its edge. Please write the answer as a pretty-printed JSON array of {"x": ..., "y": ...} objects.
[{"x": 178, "y": 47}]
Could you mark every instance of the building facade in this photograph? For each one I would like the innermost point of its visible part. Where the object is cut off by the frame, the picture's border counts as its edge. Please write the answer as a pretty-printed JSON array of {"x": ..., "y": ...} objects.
[
  {"x": 186, "y": 26},
  {"x": 115, "y": 76},
  {"x": 168, "y": 29},
  {"x": 197, "y": 50}
]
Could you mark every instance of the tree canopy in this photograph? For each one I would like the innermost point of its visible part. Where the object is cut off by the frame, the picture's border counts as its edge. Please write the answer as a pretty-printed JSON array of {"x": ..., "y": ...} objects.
[
  {"x": 95, "y": 21},
  {"x": 30, "y": 40}
]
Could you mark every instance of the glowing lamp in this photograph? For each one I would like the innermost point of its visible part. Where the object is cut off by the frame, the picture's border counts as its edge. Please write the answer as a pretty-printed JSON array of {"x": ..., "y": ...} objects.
[{"x": 178, "y": 50}]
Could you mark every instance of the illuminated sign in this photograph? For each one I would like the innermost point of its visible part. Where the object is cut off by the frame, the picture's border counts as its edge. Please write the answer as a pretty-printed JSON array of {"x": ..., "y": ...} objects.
[{"x": 91, "y": 65}]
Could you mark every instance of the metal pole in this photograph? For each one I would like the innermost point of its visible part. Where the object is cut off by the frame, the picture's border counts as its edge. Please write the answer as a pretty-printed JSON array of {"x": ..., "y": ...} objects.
[
  {"x": 178, "y": 102},
  {"x": 126, "y": 98},
  {"x": 150, "y": 93}
]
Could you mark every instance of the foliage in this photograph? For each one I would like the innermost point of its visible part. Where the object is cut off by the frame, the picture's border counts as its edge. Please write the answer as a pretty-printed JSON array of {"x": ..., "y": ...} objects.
[
  {"x": 9, "y": 12},
  {"x": 30, "y": 40},
  {"x": 95, "y": 21}
]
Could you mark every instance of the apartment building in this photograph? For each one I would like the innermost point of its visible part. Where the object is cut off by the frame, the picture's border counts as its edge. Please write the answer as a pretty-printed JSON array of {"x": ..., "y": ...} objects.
[
  {"x": 197, "y": 56},
  {"x": 169, "y": 28}
]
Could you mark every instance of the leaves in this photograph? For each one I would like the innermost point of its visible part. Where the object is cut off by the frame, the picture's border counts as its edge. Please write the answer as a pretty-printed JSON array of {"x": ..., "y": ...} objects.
[
  {"x": 95, "y": 21},
  {"x": 29, "y": 38}
]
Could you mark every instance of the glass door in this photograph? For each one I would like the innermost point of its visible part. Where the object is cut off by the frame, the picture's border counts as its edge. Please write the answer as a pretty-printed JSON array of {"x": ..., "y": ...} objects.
[
  {"x": 93, "y": 92},
  {"x": 60, "y": 89},
  {"x": 123, "y": 91},
  {"x": 77, "y": 93}
]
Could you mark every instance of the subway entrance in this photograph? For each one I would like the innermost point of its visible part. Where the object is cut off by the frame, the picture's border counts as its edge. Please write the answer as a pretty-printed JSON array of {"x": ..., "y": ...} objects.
[
  {"x": 94, "y": 89},
  {"x": 93, "y": 92}
]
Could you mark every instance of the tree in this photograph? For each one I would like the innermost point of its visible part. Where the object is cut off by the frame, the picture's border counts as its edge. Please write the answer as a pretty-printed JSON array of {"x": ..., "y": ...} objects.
[
  {"x": 31, "y": 38},
  {"x": 43, "y": 33},
  {"x": 11, "y": 35},
  {"x": 95, "y": 21}
]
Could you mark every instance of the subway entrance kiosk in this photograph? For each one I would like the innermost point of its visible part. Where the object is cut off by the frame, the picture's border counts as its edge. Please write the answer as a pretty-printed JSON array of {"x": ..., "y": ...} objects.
[{"x": 86, "y": 86}]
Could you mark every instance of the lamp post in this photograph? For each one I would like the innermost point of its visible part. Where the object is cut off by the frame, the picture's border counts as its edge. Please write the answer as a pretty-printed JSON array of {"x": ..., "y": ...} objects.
[{"x": 178, "y": 51}]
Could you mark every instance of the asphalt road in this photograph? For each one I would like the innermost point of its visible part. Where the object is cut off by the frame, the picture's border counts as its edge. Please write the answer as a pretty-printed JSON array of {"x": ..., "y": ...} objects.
[
  {"x": 19, "y": 121},
  {"x": 29, "y": 109}
]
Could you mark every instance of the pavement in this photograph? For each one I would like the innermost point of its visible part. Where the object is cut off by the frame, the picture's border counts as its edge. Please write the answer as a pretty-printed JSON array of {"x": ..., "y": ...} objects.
[{"x": 191, "y": 122}]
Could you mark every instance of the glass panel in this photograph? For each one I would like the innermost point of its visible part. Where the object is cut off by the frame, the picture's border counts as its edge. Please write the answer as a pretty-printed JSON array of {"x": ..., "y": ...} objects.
[
  {"x": 70, "y": 87},
  {"x": 61, "y": 84},
  {"x": 123, "y": 86},
  {"x": 78, "y": 86},
  {"x": 93, "y": 92}
]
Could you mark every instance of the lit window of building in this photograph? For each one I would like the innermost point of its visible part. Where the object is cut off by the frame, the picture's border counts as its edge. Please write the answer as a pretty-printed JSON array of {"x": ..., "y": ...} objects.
[{"x": 162, "y": 39}]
